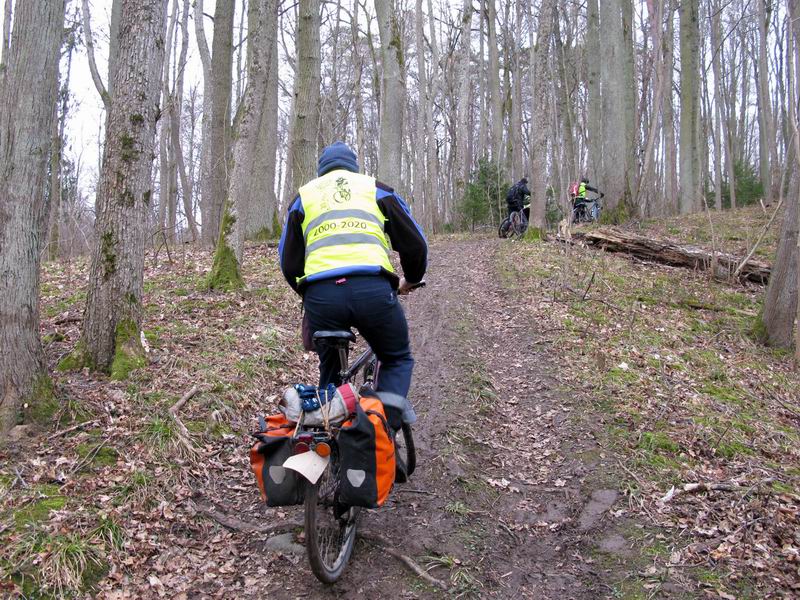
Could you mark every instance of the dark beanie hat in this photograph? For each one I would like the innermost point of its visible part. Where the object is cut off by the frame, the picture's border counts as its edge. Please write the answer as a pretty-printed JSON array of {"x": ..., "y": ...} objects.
[{"x": 337, "y": 156}]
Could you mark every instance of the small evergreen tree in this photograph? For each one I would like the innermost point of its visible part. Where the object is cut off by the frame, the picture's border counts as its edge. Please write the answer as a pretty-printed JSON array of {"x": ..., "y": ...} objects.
[{"x": 484, "y": 197}]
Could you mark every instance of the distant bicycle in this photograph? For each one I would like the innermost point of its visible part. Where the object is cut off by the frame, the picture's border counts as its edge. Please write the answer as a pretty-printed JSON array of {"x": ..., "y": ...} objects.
[
  {"x": 515, "y": 224},
  {"x": 586, "y": 211}
]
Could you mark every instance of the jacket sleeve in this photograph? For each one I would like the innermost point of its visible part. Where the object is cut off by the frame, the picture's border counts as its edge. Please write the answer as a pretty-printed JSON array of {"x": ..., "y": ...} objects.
[
  {"x": 404, "y": 232},
  {"x": 292, "y": 247},
  {"x": 525, "y": 191},
  {"x": 589, "y": 188}
]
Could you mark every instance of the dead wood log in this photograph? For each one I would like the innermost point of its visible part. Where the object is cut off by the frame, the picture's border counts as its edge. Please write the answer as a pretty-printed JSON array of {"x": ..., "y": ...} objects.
[{"x": 669, "y": 253}]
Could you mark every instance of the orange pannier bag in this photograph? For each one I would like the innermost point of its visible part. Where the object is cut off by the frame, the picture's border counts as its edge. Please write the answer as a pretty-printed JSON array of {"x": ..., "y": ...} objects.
[
  {"x": 279, "y": 486},
  {"x": 366, "y": 454}
]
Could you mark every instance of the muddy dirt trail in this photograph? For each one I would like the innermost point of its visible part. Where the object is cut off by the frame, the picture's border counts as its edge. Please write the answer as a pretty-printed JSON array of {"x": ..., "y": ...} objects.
[{"x": 512, "y": 496}]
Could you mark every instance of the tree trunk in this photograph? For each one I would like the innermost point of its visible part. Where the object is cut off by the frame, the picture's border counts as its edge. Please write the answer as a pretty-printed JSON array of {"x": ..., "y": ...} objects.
[
  {"x": 28, "y": 96},
  {"x": 668, "y": 117},
  {"x": 781, "y": 306},
  {"x": 540, "y": 114},
  {"x": 612, "y": 73},
  {"x": 394, "y": 90},
  {"x": 495, "y": 88},
  {"x": 303, "y": 160},
  {"x": 110, "y": 340},
  {"x": 252, "y": 148},
  {"x": 463, "y": 133},
  {"x": 6, "y": 42},
  {"x": 595, "y": 101},
  {"x": 690, "y": 99},
  {"x": 766, "y": 137},
  {"x": 420, "y": 198},
  {"x": 207, "y": 235},
  {"x": 175, "y": 111},
  {"x": 220, "y": 126}
]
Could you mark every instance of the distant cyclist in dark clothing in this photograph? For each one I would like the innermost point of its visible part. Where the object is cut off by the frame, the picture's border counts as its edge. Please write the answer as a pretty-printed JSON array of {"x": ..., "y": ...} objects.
[{"x": 515, "y": 198}]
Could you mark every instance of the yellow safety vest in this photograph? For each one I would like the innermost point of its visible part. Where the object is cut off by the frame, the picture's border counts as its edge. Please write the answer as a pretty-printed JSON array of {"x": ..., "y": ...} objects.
[
  {"x": 582, "y": 191},
  {"x": 343, "y": 225}
]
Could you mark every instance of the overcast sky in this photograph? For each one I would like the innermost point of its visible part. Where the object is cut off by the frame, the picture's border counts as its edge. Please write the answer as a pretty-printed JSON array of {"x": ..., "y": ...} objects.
[{"x": 84, "y": 124}]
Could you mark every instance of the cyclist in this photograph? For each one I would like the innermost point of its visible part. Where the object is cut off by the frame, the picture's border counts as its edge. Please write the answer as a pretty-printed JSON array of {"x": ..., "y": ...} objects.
[
  {"x": 579, "y": 197},
  {"x": 334, "y": 252},
  {"x": 515, "y": 197}
]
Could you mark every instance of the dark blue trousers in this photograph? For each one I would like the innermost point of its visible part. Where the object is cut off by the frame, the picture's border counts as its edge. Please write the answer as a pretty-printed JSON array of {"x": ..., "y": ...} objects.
[{"x": 368, "y": 303}]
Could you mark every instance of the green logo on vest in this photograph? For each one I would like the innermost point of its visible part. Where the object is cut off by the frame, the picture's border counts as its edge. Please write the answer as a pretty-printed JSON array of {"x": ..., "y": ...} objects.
[{"x": 342, "y": 193}]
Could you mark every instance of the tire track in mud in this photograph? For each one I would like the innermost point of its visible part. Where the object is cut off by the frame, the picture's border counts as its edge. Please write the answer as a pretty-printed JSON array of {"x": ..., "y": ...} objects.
[{"x": 505, "y": 501}]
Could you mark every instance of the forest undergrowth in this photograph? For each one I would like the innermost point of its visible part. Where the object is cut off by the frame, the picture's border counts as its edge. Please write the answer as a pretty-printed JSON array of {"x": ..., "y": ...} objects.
[
  {"x": 94, "y": 497},
  {"x": 703, "y": 418}
]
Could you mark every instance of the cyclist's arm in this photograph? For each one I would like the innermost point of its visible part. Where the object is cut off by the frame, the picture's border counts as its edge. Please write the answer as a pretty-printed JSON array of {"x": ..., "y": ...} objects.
[
  {"x": 404, "y": 232},
  {"x": 589, "y": 188},
  {"x": 292, "y": 247}
]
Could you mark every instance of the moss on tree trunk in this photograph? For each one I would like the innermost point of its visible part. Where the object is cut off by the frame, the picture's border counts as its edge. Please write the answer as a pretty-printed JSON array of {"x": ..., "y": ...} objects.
[
  {"x": 128, "y": 351},
  {"x": 225, "y": 272}
]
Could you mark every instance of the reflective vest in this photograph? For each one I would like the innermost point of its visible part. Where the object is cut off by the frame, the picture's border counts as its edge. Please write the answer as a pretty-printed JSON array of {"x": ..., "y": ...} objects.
[
  {"x": 582, "y": 191},
  {"x": 343, "y": 225}
]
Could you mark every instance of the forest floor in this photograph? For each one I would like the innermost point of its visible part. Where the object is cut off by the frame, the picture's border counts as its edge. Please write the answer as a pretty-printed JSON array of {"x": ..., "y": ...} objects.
[{"x": 565, "y": 395}]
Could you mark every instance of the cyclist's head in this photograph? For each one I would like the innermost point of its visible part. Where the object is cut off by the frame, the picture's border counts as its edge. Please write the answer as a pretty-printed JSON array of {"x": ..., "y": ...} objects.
[
  {"x": 524, "y": 180},
  {"x": 337, "y": 156},
  {"x": 584, "y": 180}
]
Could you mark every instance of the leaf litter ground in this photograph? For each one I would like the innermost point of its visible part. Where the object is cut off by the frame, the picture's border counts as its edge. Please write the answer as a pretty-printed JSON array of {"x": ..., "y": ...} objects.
[{"x": 554, "y": 416}]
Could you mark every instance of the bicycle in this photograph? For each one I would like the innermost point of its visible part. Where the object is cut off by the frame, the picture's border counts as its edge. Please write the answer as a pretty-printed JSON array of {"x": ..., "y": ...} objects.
[
  {"x": 586, "y": 211},
  {"x": 330, "y": 528},
  {"x": 516, "y": 223}
]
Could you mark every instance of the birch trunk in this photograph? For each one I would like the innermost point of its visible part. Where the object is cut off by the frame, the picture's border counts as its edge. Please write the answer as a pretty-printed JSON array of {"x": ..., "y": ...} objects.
[
  {"x": 110, "y": 339},
  {"x": 28, "y": 95}
]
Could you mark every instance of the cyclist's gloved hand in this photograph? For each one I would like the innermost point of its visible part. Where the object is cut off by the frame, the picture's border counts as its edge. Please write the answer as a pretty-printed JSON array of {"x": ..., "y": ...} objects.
[{"x": 602, "y": 194}]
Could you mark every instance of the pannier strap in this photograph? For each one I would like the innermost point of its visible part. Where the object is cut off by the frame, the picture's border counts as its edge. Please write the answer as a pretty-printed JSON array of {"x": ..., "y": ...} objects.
[{"x": 349, "y": 398}]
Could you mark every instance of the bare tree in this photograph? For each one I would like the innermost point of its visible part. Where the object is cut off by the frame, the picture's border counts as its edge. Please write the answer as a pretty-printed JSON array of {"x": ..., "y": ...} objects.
[
  {"x": 302, "y": 161},
  {"x": 252, "y": 149},
  {"x": 218, "y": 142},
  {"x": 690, "y": 106},
  {"x": 110, "y": 339},
  {"x": 394, "y": 90},
  {"x": 28, "y": 88}
]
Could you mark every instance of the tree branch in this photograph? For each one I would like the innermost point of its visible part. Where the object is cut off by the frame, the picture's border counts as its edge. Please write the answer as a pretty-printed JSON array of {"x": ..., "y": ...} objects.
[{"x": 98, "y": 82}]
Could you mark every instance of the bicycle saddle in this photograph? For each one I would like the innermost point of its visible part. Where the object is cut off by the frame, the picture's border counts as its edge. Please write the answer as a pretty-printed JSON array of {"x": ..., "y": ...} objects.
[{"x": 334, "y": 338}]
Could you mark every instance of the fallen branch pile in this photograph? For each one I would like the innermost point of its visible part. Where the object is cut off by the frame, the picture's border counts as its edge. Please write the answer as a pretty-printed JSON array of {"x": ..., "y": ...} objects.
[{"x": 662, "y": 251}]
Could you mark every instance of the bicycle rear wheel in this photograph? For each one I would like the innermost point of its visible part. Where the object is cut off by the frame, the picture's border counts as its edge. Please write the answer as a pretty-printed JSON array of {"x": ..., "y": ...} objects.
[
  {"x": 404, "y": 450},
  {"x": 330, "y": 529}
]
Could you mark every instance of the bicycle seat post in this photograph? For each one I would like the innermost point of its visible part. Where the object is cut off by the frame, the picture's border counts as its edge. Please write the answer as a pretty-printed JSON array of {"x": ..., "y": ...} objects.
[
  {"x": 336, "y": 339},
  {"x": 343, "y": 360}
]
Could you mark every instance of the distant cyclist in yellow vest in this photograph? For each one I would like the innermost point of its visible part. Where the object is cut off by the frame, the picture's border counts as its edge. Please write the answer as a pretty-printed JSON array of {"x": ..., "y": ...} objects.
[{"x": 334, "y": 252}]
